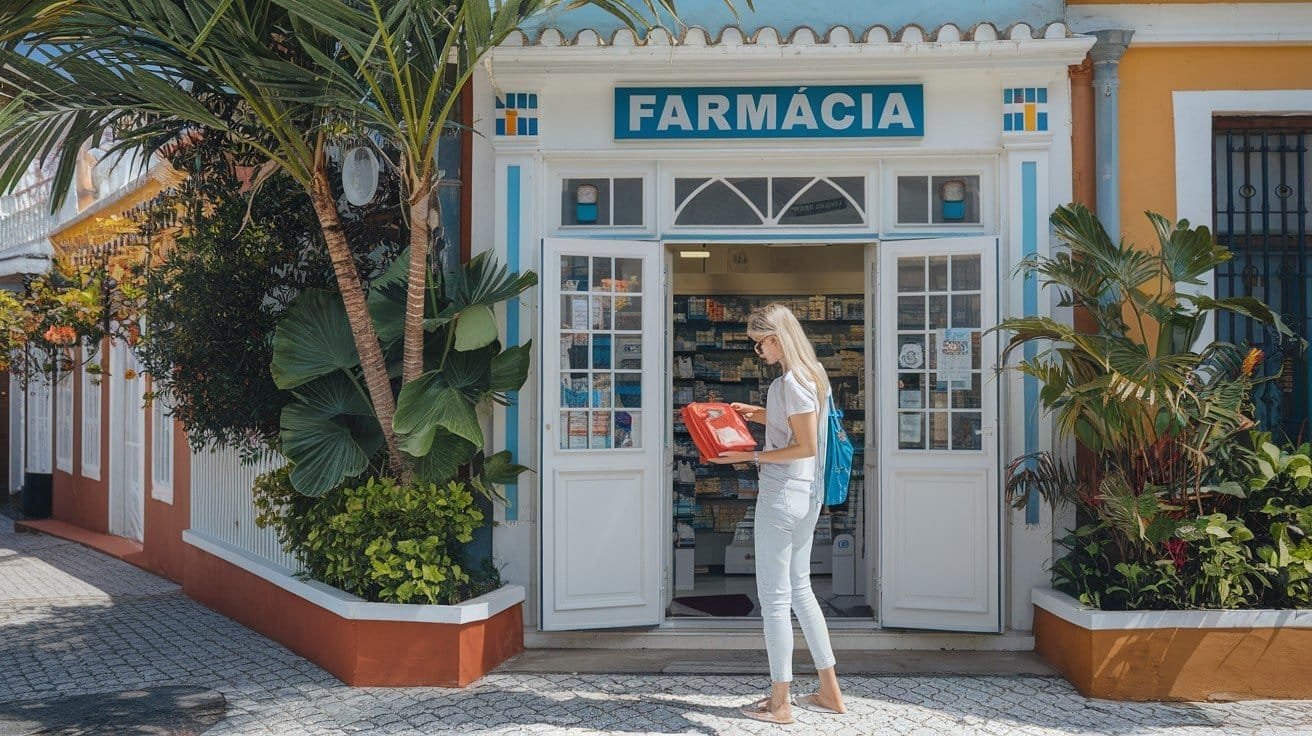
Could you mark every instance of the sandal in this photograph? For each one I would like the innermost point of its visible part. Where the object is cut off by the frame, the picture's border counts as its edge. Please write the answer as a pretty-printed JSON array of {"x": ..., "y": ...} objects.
[
  {"x": 808, "y": 702},
  {"x": 760, "y": 711}
]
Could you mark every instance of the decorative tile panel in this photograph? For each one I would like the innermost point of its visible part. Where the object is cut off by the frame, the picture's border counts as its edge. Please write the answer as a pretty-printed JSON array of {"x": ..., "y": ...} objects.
[
  {"x": 1025, "y": 109},
  {"x": 517, "y": 114}
]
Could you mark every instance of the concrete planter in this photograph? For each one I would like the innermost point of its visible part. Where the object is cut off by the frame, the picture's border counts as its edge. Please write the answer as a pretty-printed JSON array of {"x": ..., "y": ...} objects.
[
  {"x": 361, "y": 643},
  {"x": 1175, "y": 655}
]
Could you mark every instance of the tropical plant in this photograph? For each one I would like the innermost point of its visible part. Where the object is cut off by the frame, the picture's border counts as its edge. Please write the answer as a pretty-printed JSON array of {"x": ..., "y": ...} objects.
[
  {"x": 1175, "y": 489},
  {"x": 328, "y": 430},
  {"x": 1137, "y": 390},
  {"x": 216, "y": 289}
]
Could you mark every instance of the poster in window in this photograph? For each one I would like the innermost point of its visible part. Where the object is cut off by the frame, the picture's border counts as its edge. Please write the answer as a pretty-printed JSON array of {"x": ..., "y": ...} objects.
[{"x": 955, "y": 350}]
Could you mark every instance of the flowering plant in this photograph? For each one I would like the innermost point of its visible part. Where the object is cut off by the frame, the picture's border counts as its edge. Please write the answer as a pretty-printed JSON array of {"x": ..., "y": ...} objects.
[{"x": 67, "y": 306}]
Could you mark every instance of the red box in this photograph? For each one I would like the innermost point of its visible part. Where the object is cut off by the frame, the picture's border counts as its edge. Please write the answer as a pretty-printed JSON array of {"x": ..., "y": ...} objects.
[{"x": 717, "y": 429}]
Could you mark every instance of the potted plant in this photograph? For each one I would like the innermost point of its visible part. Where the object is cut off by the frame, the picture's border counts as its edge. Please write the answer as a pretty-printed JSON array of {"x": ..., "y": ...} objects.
[{"x": 1181, "y": 505}]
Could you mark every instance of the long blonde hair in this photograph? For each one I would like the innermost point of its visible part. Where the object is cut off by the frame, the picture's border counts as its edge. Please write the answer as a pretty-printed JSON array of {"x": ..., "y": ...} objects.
[{"x": 799, "y": 355}]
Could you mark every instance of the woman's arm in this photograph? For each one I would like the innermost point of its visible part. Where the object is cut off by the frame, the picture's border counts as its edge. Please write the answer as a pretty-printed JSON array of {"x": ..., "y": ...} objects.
[{"x": 804, "y": 444}]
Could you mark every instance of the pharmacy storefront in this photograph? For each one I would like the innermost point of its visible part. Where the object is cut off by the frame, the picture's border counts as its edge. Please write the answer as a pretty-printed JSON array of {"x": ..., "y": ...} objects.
[{"x": 884, "y": 186}]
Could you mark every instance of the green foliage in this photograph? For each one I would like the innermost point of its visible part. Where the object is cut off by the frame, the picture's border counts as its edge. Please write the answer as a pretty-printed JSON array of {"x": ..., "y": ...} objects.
[
  {"x": 238, "y": 262},
  {"x": 1184, "y": 505},
  {"x": 1134, "y": 391},
  {"x": 1222, "y": 560},
  {"x": 379, "y": 539},
  {"x": 330, "y": 430},
  {"x": 1141, "y": 553}
]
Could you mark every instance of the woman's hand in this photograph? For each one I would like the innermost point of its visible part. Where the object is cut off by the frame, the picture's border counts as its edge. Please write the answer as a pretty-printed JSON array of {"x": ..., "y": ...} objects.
[
  {"x": 733, "y": 458},
  {"x": 749, "y": 412}
]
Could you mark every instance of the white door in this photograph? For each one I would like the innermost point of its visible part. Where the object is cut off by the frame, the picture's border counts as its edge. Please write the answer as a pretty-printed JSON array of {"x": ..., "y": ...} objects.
[
  {"x": 40, "y": 426},
  {"x": 939, "y": 495},
  {"x": 127, "y": 446},
  {"x": 17, "y": 431},
  {"x": 601, "y": 434}
]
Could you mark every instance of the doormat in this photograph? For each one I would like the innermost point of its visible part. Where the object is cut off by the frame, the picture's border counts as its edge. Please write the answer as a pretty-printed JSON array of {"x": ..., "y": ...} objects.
[{"x": 732, "y": 604}]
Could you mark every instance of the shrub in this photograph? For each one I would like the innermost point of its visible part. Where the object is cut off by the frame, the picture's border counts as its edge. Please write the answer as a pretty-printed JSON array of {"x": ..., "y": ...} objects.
[
  {"x": 379, "y": 539},
  {"x": 238, "y": 262}
]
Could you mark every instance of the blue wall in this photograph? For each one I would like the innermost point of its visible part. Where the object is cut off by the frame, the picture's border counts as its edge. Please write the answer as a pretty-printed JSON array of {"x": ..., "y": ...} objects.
[{"x": 820, "y": 15}]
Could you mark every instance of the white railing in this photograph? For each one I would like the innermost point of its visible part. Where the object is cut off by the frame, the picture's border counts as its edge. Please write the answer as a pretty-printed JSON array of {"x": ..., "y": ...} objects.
[
  {"x": 223, "y": 509},
  {"x": 25, "y": 216}
]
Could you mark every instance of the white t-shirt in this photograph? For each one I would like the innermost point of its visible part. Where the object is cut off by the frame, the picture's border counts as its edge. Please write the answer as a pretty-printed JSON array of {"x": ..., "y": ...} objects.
[{"x": 789, "y": 395}]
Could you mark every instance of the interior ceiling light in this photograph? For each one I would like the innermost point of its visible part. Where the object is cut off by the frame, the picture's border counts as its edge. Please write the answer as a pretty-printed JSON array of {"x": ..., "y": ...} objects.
[{"x": 694, "y": 254}]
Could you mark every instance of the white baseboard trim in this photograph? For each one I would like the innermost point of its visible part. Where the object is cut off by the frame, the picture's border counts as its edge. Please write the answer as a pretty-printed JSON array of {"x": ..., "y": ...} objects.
[
  {"x": 850, "y": 641},
  {"x": 351, "y": 607}
]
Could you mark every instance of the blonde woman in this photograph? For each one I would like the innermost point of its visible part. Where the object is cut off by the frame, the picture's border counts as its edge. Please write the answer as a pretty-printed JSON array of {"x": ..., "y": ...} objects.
[{"x": 791, "y": 489}]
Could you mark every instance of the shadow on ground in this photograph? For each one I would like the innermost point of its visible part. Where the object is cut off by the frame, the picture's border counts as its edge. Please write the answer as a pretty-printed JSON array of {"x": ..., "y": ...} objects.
[{"x": 159, "y": 711}]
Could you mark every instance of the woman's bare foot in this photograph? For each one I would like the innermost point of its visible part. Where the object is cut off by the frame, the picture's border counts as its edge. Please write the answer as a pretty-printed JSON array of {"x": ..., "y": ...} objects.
[
  {"x": 830, "y": 696},
  {"x": 820, "y": 704},
  {"x": 767, "y": 710}
]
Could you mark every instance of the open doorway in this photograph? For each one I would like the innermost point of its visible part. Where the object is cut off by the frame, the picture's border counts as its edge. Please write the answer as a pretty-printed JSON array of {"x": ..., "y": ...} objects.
[{"x": 713, "y": 289}]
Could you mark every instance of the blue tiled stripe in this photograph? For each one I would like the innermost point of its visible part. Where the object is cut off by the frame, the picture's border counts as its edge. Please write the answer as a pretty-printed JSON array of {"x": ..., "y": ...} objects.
[
  {"x": 1029, "y": 185},
  {"x": 512, "y": 330}
]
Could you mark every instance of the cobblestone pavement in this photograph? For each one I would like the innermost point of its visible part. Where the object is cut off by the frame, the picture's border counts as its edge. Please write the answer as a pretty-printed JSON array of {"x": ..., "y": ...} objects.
[{"x": 75, "y": 623}]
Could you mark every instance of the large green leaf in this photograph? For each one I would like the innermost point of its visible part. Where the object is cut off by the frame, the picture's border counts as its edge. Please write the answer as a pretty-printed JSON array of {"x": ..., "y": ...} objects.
[
  {"x": 312, "y": 339},
  {"x": 430, "y": 401},
  {"x": 500, "y": 468},
  {"x": 387, "y": 300},
  {"x": 329, "y": 432},
  {"x": 510, "y": 368},
  {"x": 475, "y": 328},
  {"x": 445, "y": 457}
]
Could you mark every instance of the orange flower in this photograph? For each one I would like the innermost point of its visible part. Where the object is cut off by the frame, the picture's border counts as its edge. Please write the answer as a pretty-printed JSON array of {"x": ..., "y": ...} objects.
[
  {"x": 1250, "y": 362},
  {"x": 60, "y": 335},
  {"x": 129, "y": 375}
]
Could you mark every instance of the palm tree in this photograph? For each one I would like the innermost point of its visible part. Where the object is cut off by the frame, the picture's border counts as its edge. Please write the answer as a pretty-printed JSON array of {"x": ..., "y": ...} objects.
[
  {"x": 1137, "y": 390},
  {"x": 280, "y": 79}
]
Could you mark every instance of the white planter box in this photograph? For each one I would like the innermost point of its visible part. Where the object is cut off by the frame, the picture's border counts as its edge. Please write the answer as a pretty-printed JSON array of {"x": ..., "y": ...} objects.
[{"x": 352, "y": 607}]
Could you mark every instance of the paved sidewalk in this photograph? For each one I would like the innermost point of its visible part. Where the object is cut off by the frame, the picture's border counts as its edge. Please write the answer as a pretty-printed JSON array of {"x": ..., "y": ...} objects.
[{"x": 93, "y": 645}]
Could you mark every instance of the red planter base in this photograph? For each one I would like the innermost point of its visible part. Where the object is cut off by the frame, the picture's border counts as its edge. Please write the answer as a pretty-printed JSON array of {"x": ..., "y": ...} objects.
[{"x": 359, "y": 652}]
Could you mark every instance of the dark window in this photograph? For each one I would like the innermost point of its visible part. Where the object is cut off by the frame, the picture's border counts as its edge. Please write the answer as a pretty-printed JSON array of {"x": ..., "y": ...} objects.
[{"x": 1262, "y": 195}]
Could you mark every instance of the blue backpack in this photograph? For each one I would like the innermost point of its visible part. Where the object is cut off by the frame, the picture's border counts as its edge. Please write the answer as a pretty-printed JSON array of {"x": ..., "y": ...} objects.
[{"x": 838, "y": 458}]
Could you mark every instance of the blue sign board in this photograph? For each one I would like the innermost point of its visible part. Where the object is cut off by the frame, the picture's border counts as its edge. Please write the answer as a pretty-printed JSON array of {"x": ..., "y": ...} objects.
[{"x": 835, "y": 111}]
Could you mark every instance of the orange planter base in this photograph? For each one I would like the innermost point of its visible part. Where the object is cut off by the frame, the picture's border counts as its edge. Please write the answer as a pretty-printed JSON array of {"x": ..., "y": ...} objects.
[
  {"x": 1186, "y": 663},
  {"x": 359, "y": 652}
]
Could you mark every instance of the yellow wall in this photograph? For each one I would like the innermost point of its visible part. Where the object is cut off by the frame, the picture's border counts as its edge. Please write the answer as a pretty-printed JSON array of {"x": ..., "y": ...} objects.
[
  {"x": 1147, "y": 126},
  {"x": 1174, "y": 2}
]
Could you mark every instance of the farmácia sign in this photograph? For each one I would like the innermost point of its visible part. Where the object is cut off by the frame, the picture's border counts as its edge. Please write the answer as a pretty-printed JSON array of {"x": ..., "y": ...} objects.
[{"x": 834, "y": 111}]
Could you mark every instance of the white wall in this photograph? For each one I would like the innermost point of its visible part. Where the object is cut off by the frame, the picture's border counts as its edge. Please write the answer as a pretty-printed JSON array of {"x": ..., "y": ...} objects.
[{"x": 963, "y": 104}]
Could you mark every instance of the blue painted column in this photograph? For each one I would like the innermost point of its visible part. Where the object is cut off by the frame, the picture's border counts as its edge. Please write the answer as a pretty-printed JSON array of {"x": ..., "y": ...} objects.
[
  {"x": 513, "y": 210},
  {"x": 1106, "y": 56}
]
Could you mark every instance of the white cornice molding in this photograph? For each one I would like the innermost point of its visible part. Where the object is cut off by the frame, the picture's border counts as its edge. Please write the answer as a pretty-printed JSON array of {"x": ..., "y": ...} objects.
[
  {"x": 690, "y": 60},
  {"x": 1183, "y": 24}
]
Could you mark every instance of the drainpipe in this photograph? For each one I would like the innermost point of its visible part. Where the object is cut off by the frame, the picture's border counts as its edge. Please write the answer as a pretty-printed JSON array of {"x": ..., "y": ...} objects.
[{"x": 1106, "y": 55}]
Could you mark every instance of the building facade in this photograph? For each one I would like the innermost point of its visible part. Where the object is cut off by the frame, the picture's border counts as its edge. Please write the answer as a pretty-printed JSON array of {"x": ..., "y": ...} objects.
[{"x": 882, "y": 173}]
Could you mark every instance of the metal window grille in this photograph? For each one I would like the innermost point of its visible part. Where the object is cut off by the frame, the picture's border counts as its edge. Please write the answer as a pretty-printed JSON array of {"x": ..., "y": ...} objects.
[{"x": 1262, "y": 196}]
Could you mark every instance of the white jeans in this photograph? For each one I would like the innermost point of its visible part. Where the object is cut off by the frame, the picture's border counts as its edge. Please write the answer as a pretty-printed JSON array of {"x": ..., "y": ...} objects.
[{"x": 785, "y": 523}]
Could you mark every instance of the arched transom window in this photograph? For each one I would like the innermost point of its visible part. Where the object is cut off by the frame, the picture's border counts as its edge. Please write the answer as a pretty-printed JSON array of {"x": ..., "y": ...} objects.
[{"x": 770, "y": 201}]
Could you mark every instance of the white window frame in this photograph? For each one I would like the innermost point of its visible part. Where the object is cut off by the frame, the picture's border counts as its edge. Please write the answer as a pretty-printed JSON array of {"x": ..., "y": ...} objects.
[
  {"x": 161, "y": 450},
  {"x": 985, "y": 168},
  {"x": 92, "y": 418},
  {"x": 598, "y": 170},
  {"x": 828, "y": 168},
  {"x": 63, "y": 420}
]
